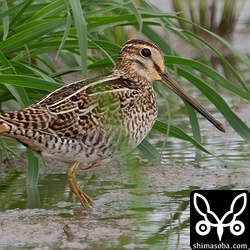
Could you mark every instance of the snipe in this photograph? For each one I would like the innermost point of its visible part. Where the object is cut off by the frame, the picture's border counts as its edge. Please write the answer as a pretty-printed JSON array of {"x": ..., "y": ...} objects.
[{"x": 94, "y": 121}]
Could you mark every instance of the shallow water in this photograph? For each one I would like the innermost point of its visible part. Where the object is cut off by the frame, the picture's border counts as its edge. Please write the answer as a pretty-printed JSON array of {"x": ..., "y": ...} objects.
[{"x": 141, "y": 208}]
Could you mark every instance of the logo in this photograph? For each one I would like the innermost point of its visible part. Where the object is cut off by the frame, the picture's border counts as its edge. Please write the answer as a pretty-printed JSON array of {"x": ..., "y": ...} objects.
[{"x": 219, "y": 219}]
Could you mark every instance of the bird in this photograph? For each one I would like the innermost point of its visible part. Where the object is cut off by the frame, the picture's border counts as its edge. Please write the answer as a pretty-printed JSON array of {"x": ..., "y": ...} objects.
[{"x": 94, "y": 121}]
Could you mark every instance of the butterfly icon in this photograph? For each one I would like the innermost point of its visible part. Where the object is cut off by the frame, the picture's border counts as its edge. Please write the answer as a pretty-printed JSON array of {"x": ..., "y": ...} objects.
[{"x": 203, "y": 227}]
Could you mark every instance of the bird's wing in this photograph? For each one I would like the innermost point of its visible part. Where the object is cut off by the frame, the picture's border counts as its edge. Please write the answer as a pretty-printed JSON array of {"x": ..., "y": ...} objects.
[{"x": 75, "y": 109}]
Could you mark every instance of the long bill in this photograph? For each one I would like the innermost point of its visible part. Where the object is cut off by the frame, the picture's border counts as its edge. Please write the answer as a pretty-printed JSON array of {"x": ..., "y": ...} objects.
[{"x": 182, "y": 93}]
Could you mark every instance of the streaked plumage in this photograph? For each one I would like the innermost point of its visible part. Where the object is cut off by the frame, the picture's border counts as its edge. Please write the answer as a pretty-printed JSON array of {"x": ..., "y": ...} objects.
[{"x": 94, "y": 121}]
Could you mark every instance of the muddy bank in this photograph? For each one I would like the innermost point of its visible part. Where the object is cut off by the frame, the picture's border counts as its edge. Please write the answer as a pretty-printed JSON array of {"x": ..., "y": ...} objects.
[{"x": 123, "y": 216}]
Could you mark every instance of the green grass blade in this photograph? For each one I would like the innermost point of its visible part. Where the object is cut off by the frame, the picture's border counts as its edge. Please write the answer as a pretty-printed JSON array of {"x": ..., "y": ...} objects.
[
  {"x": 33, "y": 169},
  {"x": 207, "y": 71},
  {"x": 52, "y": 9},
  {"x": 18, "y": 12},
  {"x": 194, "y": 123},
  {"x": 18, "y": 92},
  {"x": 236, "y": 123},
  {"x": 232, "y": 70},
  {"x": 66, "y": 33},
  {"x": 178, "y": 133},
  {"x": 6, "y": 21},
  {"x": 237, "y": 53},
  {"x": 137, "y": 14},
  {"x": 30, "y": 32},
  {"x": 81, "y": 29},
  {"x": 149, "y": 151},
  {"x": 195, "y": 130},
  {"x": 28, "y": 82},
  {"x": 11, "y": 11},
  {"x": 3, "y": 147}
]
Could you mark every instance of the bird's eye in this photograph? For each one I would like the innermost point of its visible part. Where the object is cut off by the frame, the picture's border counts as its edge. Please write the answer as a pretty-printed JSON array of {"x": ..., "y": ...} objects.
[{"x": 146, "y": 52}]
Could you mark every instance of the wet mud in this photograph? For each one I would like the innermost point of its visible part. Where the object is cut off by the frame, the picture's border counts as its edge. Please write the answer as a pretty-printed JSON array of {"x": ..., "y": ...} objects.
[{"x": 125, "y": 215}]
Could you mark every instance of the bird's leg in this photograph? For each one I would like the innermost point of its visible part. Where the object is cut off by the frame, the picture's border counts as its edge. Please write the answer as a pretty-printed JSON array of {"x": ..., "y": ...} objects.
[{"x": 85, "y": 200}]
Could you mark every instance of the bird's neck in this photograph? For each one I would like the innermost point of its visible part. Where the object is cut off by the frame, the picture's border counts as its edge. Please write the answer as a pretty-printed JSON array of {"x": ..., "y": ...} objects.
[{"x": 136, "y": 79}]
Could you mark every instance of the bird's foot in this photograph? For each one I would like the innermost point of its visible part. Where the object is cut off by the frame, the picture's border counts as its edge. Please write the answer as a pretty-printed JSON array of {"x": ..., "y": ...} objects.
[{"x": 85, "y": 199}]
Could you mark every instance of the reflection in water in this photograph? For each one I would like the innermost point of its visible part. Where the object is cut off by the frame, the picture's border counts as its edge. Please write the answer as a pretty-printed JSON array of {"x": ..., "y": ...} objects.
[{"x": 152, "y": 200}]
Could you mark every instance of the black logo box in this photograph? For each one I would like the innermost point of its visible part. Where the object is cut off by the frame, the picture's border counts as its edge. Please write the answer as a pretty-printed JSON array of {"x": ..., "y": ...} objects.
[{"x": 220, "y": 202}]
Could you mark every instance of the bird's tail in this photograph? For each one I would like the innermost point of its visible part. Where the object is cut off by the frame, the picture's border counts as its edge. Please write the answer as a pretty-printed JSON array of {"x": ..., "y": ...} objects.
[
  {"x": 3, "y": 128},
  {"x": 17, "y": 123}
]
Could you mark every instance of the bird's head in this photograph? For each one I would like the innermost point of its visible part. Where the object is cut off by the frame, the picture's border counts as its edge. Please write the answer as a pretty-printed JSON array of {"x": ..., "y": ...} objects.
[{"x": 140, "y": 59}]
